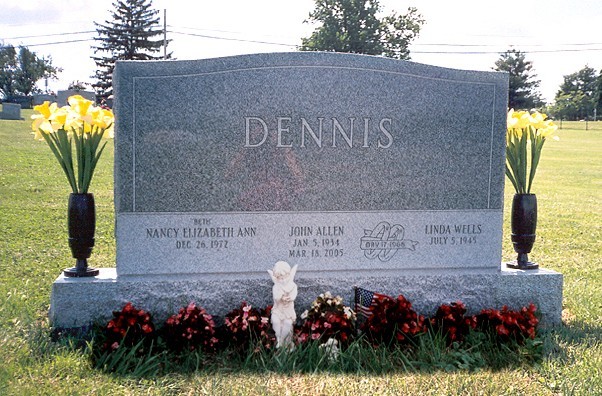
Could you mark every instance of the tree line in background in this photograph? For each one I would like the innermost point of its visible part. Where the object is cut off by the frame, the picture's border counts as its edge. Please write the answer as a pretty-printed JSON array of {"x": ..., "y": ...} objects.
[
  {"x": 579, "y": 97},
  {"x": 353, "y": 26},
  {"x": 21, "y": 69},
  {"x": 132, "y": 33}
]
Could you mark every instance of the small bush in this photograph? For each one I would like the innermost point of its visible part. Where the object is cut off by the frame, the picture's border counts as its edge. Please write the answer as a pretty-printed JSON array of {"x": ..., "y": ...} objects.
[
  {"x": 510, "y": 325},
  {"x": 392, "y": 321},
  {"x": 246, "y": 326},
  {"x": 128, "y": 327},
  {"x": 192, "y": 328},
  {"x": 451, "y": 321},
  {"x": 327, "y": 318}
]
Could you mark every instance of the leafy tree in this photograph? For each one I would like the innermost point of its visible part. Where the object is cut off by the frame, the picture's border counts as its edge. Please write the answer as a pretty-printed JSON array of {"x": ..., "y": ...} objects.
[
  {"x": 353, "y": 26},
  {"x": 578, "y": 96},
  {"x": 599, "y": 103},
  {"x": 128, "y": 36},
  {"x": 21, "y": 69},
  {"x": 567, "y": 106},
  {"x": 522, "y": 90},
  {"x": 8, "y": 65}
]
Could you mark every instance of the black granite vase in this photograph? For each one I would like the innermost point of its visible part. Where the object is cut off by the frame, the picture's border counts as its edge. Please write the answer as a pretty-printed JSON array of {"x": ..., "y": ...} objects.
[
  {"x": 523, "y": 225},
  {"x": 81, "y": 220}
]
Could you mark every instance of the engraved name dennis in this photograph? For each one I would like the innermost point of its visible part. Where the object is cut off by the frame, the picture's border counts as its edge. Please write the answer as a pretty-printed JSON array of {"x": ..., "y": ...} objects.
[{"x": 319, "y": 132}]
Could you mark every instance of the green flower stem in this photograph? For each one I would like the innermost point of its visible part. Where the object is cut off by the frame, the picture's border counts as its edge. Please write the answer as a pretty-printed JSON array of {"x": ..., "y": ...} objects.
[
  {"x": 523, "y": 162},
  {"x": 78, "y": 152},
  {"x": 53, "y": 143},
  {"x": 536, "y": 147},
  {"x": 87, "y": 154}
]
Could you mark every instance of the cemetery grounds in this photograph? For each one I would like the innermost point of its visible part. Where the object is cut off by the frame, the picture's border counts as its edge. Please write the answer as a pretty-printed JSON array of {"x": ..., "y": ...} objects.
[{"x": 34, "y": 249}]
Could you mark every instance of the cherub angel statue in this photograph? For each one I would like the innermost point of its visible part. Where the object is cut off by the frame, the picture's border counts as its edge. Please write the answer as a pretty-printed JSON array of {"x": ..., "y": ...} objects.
[{"x": 284, "y": 292}]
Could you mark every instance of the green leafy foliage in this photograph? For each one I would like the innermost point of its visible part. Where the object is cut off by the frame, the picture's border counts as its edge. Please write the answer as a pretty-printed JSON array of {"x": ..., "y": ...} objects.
[
  {"x": 579, "y": 96},
  {"x": 138, "y": 360},
  {"x": 353, "y": 26},
  {"x": 21, "y": 69}
]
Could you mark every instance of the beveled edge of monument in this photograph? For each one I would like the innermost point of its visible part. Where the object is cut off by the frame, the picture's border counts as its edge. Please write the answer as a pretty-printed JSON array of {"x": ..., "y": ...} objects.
[{"x": 154, "y": 68}]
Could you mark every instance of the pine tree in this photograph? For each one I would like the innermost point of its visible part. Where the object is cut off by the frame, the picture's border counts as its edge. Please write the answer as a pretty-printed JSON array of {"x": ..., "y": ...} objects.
[
  {"x": 523, "y": 91},
  {"x": 128, "y": 36}
]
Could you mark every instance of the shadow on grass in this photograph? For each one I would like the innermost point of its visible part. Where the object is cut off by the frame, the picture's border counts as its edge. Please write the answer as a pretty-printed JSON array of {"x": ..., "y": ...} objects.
[{"x": 571, "y": 333}]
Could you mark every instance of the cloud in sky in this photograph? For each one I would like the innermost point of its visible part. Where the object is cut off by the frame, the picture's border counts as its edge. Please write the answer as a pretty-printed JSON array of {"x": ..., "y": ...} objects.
[{"x": 462, "y": 26}]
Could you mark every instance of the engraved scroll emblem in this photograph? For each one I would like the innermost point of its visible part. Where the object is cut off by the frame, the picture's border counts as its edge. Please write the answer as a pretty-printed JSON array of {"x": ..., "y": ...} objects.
[{"x": 384, "y": 241}]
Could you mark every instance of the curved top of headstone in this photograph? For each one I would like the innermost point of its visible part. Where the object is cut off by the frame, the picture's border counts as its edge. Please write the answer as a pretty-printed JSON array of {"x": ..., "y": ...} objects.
[
  {"x": 307, "y": 59},
  {"x": 307, "y": 131}
]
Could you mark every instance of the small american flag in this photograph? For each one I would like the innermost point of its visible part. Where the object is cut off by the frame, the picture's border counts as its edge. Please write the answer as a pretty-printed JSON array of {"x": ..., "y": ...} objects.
[{"x": 364, "y": 299}]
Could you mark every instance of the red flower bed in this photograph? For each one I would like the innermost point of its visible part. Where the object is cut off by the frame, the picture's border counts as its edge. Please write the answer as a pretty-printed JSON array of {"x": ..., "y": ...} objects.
[
  {"x": 128, "y": 327},
  {"x": 327, "y": 318},
  {"x": 392, "y": 320},
  {"x": 508, "y": 324},
  {"x": 246, "y": 326},
  {"x": 452, "y": 321},
  {"x": 192, "y": 328}
]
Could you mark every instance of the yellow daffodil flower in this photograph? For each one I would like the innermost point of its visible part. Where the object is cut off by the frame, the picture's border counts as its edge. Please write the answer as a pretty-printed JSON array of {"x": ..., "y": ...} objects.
[
  {"x": 80, "y": 105},
  {"x": 79, "y": 124},
  {"x": 526, "y": 134}
]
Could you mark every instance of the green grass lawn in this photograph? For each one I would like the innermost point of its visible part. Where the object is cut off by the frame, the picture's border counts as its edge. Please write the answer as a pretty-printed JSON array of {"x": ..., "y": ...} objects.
[{"x": 33, "y": 251}]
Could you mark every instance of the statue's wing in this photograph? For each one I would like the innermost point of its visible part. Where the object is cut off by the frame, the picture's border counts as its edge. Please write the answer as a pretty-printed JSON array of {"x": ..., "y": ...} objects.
[
  {"x": 293, "y": 272},
  {"x": 272, "y": 275}
]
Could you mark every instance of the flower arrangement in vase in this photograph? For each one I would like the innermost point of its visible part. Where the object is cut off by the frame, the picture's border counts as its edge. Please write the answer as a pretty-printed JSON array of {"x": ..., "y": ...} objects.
[
  {"x": 74, "y": 134},
  {"x": 525, "y": 136}
]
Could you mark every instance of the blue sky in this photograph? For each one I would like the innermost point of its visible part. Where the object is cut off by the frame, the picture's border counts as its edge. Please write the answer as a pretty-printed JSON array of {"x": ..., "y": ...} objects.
[{"x": 560, "y": 36}]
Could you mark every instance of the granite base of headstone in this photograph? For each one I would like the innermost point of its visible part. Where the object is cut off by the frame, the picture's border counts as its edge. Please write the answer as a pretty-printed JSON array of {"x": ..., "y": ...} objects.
[
  {"x": 10, "y": 111},
  {"x": 362, "y": 171},
  {"x": 77, "y": 302}
]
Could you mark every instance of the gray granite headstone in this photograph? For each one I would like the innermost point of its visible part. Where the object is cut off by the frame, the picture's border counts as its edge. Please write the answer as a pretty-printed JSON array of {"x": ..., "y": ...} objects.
[
  {"x": 335, "y": 162},
  {"x": 364, "y": 171},
  {"x": 62, "y": 96},
  {"x": 10, "y": 111},
  {"x": 41, "y": 98}
]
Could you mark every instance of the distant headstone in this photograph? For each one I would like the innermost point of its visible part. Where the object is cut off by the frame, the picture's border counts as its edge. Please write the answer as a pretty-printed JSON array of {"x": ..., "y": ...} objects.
[
  {"x": 24, "y": 100},
  {"x": 10, "y": 111},
  {"x": 62, "y": 96},
  {"x": 40, "y": 99},
  {"x": 359, "y": 170}
]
